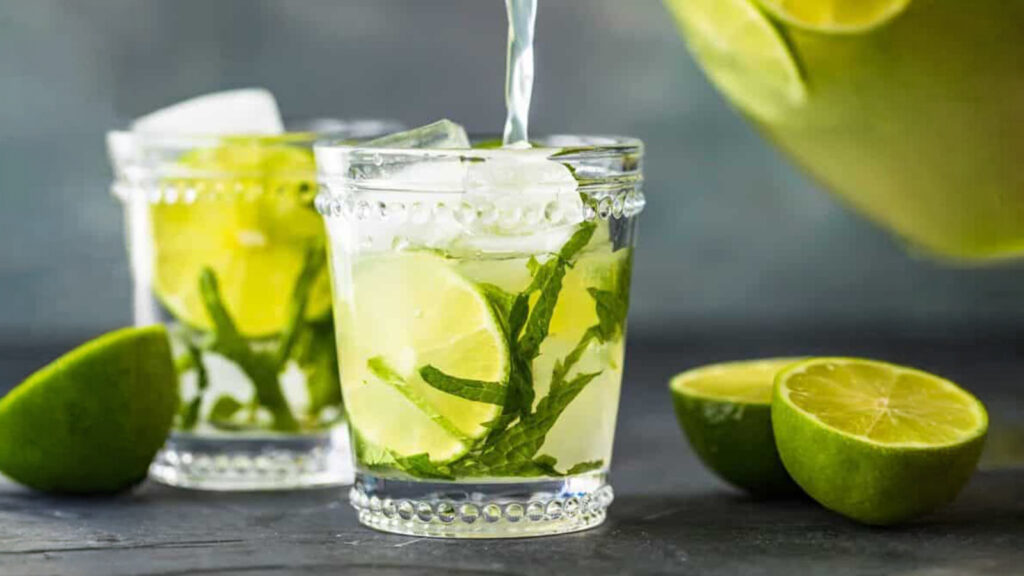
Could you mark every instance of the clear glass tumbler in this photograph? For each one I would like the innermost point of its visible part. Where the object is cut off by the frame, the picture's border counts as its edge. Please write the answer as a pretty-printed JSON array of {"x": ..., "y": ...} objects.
[
  {"x": 227, "y": 250},
  {"x": 480, "y": 297}
]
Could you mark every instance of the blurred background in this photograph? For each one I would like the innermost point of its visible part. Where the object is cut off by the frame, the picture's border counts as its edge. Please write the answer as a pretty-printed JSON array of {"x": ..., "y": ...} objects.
[{"x": 734, "y": 241}]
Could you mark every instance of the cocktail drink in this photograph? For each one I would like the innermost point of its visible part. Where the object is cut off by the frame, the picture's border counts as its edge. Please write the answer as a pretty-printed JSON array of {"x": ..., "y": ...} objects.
[
  {"x": 227, "y": 249},
  {"x": 480, "y": 297},
  {"x": 911, "y": 110}
]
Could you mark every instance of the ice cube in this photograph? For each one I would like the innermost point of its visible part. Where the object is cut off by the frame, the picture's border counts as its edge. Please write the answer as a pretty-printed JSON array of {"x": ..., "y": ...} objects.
[
  {"x": 246, "y": 111},
  {"x": 534, "y": 200},
  {"x": 440, "y": 134}
]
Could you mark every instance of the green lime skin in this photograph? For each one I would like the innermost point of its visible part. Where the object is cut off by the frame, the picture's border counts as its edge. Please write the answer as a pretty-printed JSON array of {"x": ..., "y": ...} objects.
[
  {"x": 92, "y": 420},
  {"x": 872, "y": 484},
  {"x": 735, "y": 440}
]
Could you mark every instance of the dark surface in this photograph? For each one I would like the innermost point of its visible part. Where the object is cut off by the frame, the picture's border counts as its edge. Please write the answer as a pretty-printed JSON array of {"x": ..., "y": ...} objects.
[{"x": 670, "y": 516}]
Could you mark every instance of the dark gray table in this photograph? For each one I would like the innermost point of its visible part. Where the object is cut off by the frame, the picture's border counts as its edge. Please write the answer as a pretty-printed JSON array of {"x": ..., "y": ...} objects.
[{"x": 670, "y": 516}]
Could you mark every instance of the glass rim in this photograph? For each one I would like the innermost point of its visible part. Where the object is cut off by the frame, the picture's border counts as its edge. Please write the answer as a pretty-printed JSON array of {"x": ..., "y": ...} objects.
[
  {"x": 298, "y": 131},
  {"x": 563, "y": 147},
  {"x": 607, "y": 175}
]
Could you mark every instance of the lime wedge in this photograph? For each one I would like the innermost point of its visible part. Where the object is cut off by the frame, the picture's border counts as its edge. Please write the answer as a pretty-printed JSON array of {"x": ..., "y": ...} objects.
[
  {"x": 256, "y": 245},
  {"x": 836, "y": 16},
  {"x": 744, "y": 53},
  {"x": 92, "y": 420},
  {"x": 876, "y": 442},
  {"x": 725, "y": 411},
  {"x": 404, "y": 312}
]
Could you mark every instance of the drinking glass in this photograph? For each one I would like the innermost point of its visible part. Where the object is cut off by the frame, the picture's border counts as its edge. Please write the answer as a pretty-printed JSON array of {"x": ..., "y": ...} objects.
[
  {"x": 227, "y": 250},
  {"x": 480, "y": 298}
]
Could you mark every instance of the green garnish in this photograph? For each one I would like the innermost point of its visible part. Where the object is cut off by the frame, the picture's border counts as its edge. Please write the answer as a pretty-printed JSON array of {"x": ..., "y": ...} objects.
[{"x": 511, "y": 446}]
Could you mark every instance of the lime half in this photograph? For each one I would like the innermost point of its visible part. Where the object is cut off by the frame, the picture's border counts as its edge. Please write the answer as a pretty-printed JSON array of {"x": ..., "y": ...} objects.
[
  {"x": 836, "y": 16},
  {"x": 725, "y": 411},
  {"x": 92, "y": 420},
  {"x": 744, "y": 54},
  {"x": 876, "y": 442},
  {"x": 252, "y": 230},
  {"x": 405, "y": 312}
]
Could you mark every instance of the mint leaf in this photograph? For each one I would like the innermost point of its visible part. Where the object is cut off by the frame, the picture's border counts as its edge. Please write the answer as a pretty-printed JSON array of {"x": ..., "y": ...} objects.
[
  {"x": 547, "y": 464},
  {"x": 261, "y": 368},
  {"x": 224, "y": 408},
  {"x": 475, "y": 390},
  {"x": 387, "y": 375},
  {"x": 316, "y": 353},
  {"x": 611, "y": 313},
  {"x": 420, "y": 466},
  {"x": 312, "y": 264},
  {"x": 513, "y": 451},
  {"x": 548, "y": 280},
  {"x": 192, "y": 360},
  {"x": 585, "y": 467}
]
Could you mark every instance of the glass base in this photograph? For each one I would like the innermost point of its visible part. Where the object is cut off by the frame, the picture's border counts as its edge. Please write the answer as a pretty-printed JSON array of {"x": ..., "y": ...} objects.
[
  {"x": 481, "y": 510},
  {"x": 242, "y": 462}
]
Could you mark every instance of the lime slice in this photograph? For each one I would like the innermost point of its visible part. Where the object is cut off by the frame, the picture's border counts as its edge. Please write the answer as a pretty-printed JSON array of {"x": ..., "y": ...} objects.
[
  {"x": 404, "y": 312},
  {"x": 256, "y": 245},
  {"x": 876, "y": 442},
  {"x": 93, "y": 419},
  {"x": 836, "y": 16},
  {"x": 743, "y": 53},
  {"x": 725, "y": 411}
]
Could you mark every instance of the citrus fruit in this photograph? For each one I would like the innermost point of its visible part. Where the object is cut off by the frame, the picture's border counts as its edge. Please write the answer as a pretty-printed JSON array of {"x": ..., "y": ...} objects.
[
  {"x": 876, "y": 442},
  {"x": 404, "y": 312},
  {"x": 743, "y": 53},
  {"x": 92, "y": 420},
  {"x": 253, "y": 233},
  {"x": 835, "y": 16},
  {"x": 725, "y": 411}
]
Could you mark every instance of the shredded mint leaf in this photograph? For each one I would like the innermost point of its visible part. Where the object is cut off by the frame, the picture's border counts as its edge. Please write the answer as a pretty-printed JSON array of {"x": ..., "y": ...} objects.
[
  {"x": 514, "y": 450},
  {"x": 224, "y": 408},
  {"x": 547, "y": 464},
  {"x": 316, "y": 353},
  {"x": 312, "y": 264},
  {"x": 585, "y": 467},
  {"x": 383, "y": 371},
  {"x": 261, "y": 368},
  {"x": 548, "y": 280},
  {"x": 533, "y": 265},
  {"x": 192, "y": 360},
  {"x": 475, "y": 390},
  {"x": 420, "y": 466}
]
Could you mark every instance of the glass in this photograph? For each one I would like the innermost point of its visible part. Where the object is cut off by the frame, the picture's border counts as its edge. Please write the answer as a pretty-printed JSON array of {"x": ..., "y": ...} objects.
[
  {"x": 227, "y": 250},
  {"x": 480, "y": 301}
]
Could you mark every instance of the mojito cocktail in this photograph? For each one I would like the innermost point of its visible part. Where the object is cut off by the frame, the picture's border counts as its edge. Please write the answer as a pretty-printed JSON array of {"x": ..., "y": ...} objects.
[
  {"x": 480, "y": 301},
  {"x": 227, "y": 249}
]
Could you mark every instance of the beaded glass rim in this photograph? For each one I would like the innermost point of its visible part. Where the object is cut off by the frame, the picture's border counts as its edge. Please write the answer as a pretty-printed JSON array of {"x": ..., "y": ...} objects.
[
  {"x": 155, "y": 155},
  {"x": 363, "y": 181}
]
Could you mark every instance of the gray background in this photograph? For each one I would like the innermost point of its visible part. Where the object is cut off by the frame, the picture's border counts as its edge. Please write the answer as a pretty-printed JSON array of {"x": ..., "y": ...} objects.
[{"x": 733, "y": 238}]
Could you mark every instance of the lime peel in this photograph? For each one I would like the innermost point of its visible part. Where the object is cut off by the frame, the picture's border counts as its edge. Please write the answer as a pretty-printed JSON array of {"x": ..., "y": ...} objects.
[{"x": 92, "y": 420}]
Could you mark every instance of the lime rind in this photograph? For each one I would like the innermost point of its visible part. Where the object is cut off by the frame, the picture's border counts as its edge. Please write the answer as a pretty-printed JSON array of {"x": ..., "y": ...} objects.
[
  {"x": 92, "y": 420},
  {"x": 725, "y": 412},
  {"x": 880, "y": 13},
  {"x": 744, "y": 53},
  {"x": 969, "y": 401}
]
